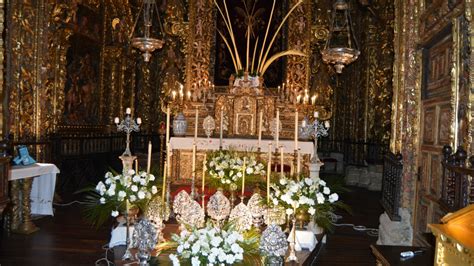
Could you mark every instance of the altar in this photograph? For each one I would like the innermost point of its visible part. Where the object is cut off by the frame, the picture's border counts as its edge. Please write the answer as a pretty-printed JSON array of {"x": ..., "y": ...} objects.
[{"x": 181, "y": 153}]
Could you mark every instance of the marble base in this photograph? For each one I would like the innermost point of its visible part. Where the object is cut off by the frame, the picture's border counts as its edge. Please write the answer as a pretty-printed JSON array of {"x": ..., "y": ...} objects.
[
  {"x": 396, "y": 233},
  {"x": 366, "y": 177},
  {"x": 314, "y": 169}
]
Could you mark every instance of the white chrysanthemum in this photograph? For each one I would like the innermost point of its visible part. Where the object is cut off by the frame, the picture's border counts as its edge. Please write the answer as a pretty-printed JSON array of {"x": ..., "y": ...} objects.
[
  {"x": 289, "y": 211},
  {"x": 108, "y": 181},
  {"x": 322, "y": 182},
  {"x": 196, "y": 248},
  {"x": 308, "y": 181},
  {"x": 216, "y": 241},
  {"x": 275, "y": 202},
  {"x": 143, "y": 174},
  {"x": 311, "y": 210},
  {"x": 230, "y": 259},
  {"x": 133, "y": 198},
  {"x": 136, "y": 178},
  {"x": 143, "y": 182},
  {"x": 326, "y": 191},
  {"x": 320, "y": 198},
  {"x": 239, "y": 174},
  {"x": 154, "y": 190},
  {"x": 134, "y": 188},
  {"x": 151, "y": 177},
  {"x": 122, "y": 194},
  {"x": 102, "y": 200},
  {"x": 174, "y": 260},
  {"x": 195, "y": 261},
  {"x": 100, "y": 187},
  {"x": 131, "y": 172},
  {"x": 249, "y": 171},
  {"x": 115, "y": 213},
  {"x": 333, "y": 197},
  {"x": 283, "y": 181},
  {"x": 141, "y": 195},
  {"x": 111, "y": 192}
]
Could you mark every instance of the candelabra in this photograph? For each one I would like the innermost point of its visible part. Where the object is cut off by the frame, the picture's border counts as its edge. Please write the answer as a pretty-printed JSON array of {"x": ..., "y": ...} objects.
[
  {"x": 128, "y": 125},
  {"x": 315, "y": 130}
]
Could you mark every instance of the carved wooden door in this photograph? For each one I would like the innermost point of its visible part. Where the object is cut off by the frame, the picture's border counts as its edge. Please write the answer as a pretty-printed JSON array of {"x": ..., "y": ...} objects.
[{"x": 436, "y": 121}]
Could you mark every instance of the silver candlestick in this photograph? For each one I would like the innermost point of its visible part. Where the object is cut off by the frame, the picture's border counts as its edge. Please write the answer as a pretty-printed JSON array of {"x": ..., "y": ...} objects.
[
  {"x": 128, "y": 125},
  {"x": 315, "y": 130}
]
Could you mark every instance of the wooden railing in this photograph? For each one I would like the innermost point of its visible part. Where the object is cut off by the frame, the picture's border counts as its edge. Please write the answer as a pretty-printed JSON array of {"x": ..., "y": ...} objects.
[
  {"x": 457, "y": 184},
  {"x": 355, "y": 152},
  {"x": 391, "y": 182}
]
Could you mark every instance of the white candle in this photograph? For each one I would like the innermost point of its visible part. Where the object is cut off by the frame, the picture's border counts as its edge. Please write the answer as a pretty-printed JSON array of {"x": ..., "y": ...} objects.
[
  {"x": 169, "y": 161},
  {"x": 316, "y": 114},
  {"x": 220, "y": 129},
  {"x": 196, "y": 123},
  {"x": 163, "y": 189},
  {"x": 193, "y": 174},
  {"x": 277, "y": 126},
  {"x": 269, "y": 170},
  {"x": 313, "y": 100},
  {"x": 296, "y": 129},
  {"x": 326, "y": 124},
  {"x": 281, "y": 161},
  {"x": 243, "y": 175},
  {"x": 204, "y": 162},
  {"x": 128, "y": 111},
  {"x": 136, "y": 166},
  {"x": 260, "y": 122},
  {"x": 139, "y": 121},
  {"x": 148, "y": 163}
]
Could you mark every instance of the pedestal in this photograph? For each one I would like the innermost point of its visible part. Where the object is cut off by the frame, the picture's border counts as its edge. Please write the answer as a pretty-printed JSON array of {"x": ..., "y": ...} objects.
[
  {"x": 314, "y": 169},
  {"x": 396, "y": 233},
  {"x": 27, "y": 226},
  {"x": 127, "y": 162}
]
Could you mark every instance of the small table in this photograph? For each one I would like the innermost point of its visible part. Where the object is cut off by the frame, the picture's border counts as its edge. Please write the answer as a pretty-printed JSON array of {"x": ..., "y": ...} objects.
[
  {"x": 36, "y": 184},
  {"x": 390, "y": 255}
]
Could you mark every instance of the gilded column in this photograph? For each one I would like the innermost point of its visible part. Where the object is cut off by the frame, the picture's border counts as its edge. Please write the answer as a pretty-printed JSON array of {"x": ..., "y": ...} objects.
[
  {"x": 299, "y": 38},
  {"x": 2, "y": 57}
]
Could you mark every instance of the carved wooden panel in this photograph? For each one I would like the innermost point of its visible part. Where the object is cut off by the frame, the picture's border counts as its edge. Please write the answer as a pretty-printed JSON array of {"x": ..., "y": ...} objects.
[
  {"x": 435, "y": 173},
  {"x": 438, "y": 62},
  {"x": 429, "y": 126}
]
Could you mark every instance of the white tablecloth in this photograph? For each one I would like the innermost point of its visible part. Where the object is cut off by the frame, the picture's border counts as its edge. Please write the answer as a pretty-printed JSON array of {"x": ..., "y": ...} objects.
[
  {"x": 178, "y": 143},
  {"x": 44, "y": 183}
]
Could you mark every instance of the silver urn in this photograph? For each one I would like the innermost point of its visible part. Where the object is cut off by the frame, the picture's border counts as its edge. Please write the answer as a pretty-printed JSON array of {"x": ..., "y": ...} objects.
[{"x": 180, "y": 125}]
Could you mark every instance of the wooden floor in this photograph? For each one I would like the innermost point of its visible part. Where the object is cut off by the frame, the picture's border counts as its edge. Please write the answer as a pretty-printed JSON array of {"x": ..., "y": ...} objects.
[{"x": 67, "y": 240}]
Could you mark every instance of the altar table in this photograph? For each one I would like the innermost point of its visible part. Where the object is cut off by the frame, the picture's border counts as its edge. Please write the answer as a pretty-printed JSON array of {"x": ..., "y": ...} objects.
[
  {"x": 181, "y": 153},
  {"x": 37, "y": 182}
]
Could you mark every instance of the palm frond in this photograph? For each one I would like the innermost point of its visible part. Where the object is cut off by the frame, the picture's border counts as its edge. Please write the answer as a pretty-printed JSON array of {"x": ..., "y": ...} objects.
[{"x": 278, "y": 55}]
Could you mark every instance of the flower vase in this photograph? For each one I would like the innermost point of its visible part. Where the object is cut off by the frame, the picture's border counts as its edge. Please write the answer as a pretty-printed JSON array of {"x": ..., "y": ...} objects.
[{"x": 302, "y": 218}]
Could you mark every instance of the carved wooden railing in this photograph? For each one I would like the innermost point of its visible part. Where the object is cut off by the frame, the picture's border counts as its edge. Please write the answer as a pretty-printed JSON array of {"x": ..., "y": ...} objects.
[
  {"x": 457, "y": 184},
  {"x": 355, "y": 152},
  {"x": 391, "y": 182}
]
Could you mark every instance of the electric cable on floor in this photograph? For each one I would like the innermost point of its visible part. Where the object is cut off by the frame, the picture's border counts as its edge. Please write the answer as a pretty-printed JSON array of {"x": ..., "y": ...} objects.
[
  {"x": 370, "y": 231},
  {"x": 69, "y": 203},
  {"x": 106, "y": 259}
]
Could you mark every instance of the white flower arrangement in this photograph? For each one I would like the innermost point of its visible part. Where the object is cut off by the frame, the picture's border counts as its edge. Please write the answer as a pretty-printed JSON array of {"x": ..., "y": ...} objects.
[
  {"x": 131, "y": 186},
  {"x": 208, "y": 246},
  {"x": 308, "y": 194},
  {"x": 227, "y": 168}
]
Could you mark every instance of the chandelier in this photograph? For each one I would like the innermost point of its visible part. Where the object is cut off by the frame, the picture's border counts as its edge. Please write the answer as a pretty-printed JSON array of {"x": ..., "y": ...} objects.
[
  {"x": 341, "y": 47},
  {"x": 147, "y": 44}
]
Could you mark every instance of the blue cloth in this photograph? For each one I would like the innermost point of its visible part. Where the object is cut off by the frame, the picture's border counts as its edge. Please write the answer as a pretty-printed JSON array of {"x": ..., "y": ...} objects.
[{"x": 23, "y": 157}]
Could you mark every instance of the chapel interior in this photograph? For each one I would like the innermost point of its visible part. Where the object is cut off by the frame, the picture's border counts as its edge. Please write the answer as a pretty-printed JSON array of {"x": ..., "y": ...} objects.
[{"x": 364, "y": 105}]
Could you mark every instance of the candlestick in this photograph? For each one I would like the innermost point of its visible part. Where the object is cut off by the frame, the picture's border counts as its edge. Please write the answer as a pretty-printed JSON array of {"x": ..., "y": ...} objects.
[
  {"x": 296, "y": 129},
  {"x": 277, "y": 126},
  {"x": 204, "y": 162},
  {"x": 260, "y": 122},
  {"x": 168, "y": 125},
  {"x": 163, "y": 188},
  {"x": 243, "y": 175},
  {"x": 281, "y": 161},
  {"x": 298, "y": 163},
  {"x": 148, "y": 162},
  {"x": 269, "y": 170},
  {"x": 193, "y": 174},
  {"x": 220, "y": 133},
  {"x": 196, "y": 123}
]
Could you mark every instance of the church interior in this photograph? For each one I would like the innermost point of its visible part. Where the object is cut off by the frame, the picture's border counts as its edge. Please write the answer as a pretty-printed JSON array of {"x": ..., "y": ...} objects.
[{"x": 236, "y": 132}]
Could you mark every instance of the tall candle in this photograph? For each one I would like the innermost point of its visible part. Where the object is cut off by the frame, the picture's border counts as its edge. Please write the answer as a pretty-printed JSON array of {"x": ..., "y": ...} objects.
[
  {"x": 163, "y": 188},
  {"x": 148, "y": 162},
  {"x": 296, "y": 129},
  {"x": 204, "y": 162},
  {"x": 196, "y": 123},
  {"x": 269, "y": 170},
  {"x": 136, "y": 166},
  {"x": 243, "y": 175},
  {"x": 194, "y": 162},
  {"x": 220, "y": 132},
  {"x": 169, "y": 160},
  {"x": 260, "y": 123},
  {"x": 281, "y": 161},
  {"x": 277, "y": 127}
]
